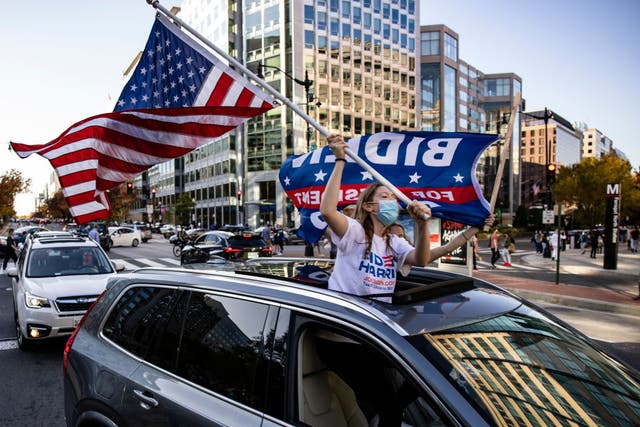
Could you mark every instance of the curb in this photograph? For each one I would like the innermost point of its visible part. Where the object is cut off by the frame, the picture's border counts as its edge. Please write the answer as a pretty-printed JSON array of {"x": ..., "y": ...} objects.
[{"x": 585, "y": 303}]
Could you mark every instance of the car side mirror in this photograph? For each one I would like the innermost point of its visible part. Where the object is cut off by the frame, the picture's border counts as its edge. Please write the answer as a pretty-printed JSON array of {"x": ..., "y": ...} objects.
[
  {"x": 12, "y": 272},
  {"x": 119, "y": 266}
]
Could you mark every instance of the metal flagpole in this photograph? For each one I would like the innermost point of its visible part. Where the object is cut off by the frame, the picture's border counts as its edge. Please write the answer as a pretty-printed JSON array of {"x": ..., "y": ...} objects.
[
  {"x": 384, "y": 181},
  {"x": 505, "y": 151}
]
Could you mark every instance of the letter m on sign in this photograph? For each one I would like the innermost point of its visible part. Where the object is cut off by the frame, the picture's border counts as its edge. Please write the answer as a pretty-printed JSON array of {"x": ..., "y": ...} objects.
[{"x": 613, "y": 189}]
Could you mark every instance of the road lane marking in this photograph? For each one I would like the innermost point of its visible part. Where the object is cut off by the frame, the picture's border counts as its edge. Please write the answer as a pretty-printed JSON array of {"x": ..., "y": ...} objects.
[{"x": 8, "y": 345}]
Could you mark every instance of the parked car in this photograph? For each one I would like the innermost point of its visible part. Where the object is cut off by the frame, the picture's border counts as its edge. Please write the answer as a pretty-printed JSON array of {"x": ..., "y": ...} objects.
[
  {"x": 30, "y": 229},
  {"x": 211, "y": 243},
  {"x": 167, "y": 230},
  {"x": 265, "y": 343},
  {"x": 246, "y": 246},
  {"x": 145, "y": 231},
  {"x": 234, "y": 228},
  {"x": 124, "y": 236},
  {"x": 54, "y": 281}
]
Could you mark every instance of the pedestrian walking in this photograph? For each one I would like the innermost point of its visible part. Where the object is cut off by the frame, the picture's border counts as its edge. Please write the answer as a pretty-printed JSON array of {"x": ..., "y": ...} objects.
[
  {"x": 494, "y": 244},
  {"x": 546, "y": 249},
  {"x": 553, "y": 244},
  {"x": 633, "y": 240},
  {"x": 593, "y": 240},
  {"x": 583, "y": 242},
  {"x": 10, "y": 249},
  {"x": 266, "y": 235},
  {"x": 505, "y": 251},
  {"x": 94, "y": 234}
]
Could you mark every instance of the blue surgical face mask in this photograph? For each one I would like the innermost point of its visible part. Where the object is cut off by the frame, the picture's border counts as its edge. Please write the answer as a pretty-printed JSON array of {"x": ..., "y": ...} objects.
[{"x": 388, "y": 211}]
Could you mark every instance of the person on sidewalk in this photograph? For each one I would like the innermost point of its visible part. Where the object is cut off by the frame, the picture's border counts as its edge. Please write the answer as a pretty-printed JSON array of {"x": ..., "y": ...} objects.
[
  {"x": 506, "y": 255},
  {"x": 634, "y": 237},
  {"x": 553, "y": 244},
  {"x": 593, "y": 240},
  {"x": 10, "y": 249},
  {"x": 583, "y": 242},
  {"x": 546, "y": 249},
  {"x": 494, "y": 244}
]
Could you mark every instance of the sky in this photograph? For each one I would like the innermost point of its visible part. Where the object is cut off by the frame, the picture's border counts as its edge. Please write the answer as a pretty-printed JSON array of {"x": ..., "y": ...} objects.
[{"x": 64, "y": 61}]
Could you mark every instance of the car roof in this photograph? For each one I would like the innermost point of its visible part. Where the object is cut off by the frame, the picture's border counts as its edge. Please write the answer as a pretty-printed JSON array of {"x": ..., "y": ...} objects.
[
  {"x": 57, "y": 241},
  {"x": 427, "y": 300}
]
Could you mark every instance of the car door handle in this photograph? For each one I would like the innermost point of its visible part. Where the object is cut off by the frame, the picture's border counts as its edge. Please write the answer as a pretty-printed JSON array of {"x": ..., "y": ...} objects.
[{"x": 145, "y": 399}]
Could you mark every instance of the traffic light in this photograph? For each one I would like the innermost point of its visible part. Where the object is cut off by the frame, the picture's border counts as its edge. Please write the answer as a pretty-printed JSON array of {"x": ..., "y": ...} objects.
[
  {"x": 551, "y": 173},
  {"x": 129, "y": 187}
]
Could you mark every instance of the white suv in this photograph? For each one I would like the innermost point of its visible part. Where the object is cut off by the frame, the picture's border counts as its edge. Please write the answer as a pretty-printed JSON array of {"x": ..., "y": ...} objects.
[{"x": 54, "y": 282}]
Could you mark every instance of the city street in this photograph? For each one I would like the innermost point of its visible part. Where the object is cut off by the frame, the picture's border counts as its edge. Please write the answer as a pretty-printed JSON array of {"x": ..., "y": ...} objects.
[{"x": 32, "y": 382}]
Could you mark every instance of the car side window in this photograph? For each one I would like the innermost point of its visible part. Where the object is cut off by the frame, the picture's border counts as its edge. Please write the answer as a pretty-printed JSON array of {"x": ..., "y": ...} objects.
[
  {"x": 343, "y": 377},
  {"x": 222, "y": 346},
  {"x": 146, "y": 321}
]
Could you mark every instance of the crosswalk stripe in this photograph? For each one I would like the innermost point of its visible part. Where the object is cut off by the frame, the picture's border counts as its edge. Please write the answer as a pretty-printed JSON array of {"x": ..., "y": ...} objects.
[
  {"x": 127, "y": 265},
  {"x": 150, "y": 262},
  {"x": 499, "y": 266},
  {"x": 146, "y": 262}
]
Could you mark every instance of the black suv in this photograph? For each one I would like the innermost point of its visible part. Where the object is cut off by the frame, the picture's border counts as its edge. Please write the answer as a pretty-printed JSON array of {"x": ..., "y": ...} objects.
[{"x": 264, "y": 343}]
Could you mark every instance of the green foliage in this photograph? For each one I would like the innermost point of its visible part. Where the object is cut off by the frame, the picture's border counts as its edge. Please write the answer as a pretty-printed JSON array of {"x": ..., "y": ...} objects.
[
  {"x": 583, "y": 186},
  {"x": 184, "y": 205},
  {"x": 12, "y": 183},
  {"x": 121, "y": 202},
  {"x": 56, "y": 206}
]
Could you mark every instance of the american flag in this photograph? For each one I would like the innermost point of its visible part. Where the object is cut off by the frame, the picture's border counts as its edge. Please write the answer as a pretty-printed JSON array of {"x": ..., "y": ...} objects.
[{"x": 179, "y": 98}]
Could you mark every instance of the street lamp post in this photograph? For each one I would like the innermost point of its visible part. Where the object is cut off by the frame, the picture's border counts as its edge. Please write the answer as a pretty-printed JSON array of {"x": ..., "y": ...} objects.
[{"x": 306, "y": 83}]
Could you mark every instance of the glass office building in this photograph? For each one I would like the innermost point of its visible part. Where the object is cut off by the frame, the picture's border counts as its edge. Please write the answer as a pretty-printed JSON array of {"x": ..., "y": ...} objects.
[
  {"x": 350, "y": 64},
  {"x": 457, "y": 97}
]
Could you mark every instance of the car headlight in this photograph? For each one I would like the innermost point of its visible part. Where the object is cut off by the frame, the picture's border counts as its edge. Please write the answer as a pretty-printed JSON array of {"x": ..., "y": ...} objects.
[{"x": 33, "y": 301}]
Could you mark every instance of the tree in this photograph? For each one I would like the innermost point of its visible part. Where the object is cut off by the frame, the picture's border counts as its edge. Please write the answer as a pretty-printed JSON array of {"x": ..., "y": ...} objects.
[
  {"x": 121, "y": 201},
  {"x": 183, "y": 208},
  {"x": 57, "y": 206},
  {"x": 584, "y": 184},
  {"x": 12, "y": 183}
]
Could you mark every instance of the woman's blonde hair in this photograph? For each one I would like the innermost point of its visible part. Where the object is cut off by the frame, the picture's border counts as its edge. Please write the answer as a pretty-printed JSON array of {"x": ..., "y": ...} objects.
[{"x": 363, "y": 216}]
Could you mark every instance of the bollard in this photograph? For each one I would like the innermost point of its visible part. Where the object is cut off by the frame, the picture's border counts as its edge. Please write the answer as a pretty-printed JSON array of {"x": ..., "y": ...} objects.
[{"x": 638, "y": 297}]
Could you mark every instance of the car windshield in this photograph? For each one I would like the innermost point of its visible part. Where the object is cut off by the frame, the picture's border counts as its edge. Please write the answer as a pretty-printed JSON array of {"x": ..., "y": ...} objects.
[
  {"x": 522, "y": 368},
  {"x": 67, "y": 261}
]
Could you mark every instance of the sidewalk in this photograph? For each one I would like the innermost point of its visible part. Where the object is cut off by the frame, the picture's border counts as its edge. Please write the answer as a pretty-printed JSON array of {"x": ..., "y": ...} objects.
[{"x": 591, "y": 286}]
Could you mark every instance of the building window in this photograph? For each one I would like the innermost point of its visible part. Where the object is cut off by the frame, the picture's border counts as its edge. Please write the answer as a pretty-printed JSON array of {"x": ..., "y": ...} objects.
[
  {"x": 430, "y": 90},
  {"x": 450, "y": 47},
  {"x": 430, "y": 43},
  {"x": 449, "y": 93}
]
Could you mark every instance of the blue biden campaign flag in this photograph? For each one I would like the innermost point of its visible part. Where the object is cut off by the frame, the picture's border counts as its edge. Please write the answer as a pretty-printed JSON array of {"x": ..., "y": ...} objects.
[{"x": 436, "y": 168}]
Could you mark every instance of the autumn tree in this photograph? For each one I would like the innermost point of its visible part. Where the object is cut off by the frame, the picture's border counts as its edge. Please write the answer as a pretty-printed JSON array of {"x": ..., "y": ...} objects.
[
  {"x": 121, "y": 202},
  {"x": 12, "y": 183},
  {"x": 56, "y": 206},
  {"x": 583, "y": 185}
]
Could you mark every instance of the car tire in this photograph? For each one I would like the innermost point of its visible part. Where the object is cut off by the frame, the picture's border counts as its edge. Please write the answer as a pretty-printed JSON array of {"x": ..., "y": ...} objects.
[
  {"x": 24, "y": 343},
  {"x": 135, "y": 243}
]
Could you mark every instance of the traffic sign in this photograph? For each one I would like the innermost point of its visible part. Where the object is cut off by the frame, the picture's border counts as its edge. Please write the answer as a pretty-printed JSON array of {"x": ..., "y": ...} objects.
[{"x": 547, "y": 216}]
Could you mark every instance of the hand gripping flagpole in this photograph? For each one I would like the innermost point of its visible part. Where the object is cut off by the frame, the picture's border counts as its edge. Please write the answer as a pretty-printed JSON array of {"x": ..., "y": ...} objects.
[{"x": 384, "y": 181}]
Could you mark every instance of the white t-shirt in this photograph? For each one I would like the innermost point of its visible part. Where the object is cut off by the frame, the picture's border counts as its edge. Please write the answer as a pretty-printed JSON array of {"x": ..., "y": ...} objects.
[{"x": 376, "y": 274}]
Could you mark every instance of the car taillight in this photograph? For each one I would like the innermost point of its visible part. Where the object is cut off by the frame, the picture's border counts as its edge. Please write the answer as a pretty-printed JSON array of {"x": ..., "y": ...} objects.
[
  {"x": 230, "y": 250},
  {"x": 67, "y": 346},
  {"x": 267, "y": 249}
]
